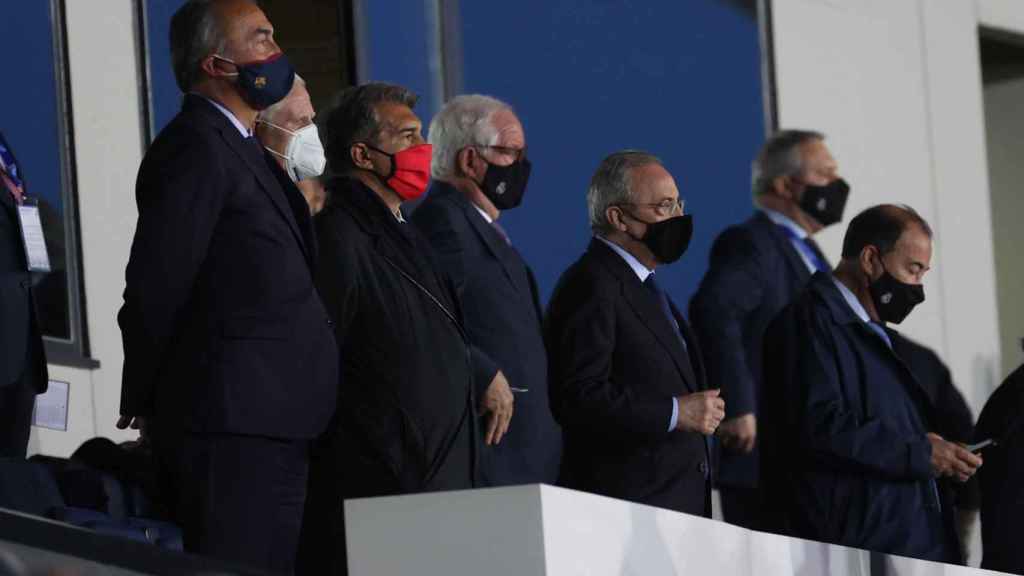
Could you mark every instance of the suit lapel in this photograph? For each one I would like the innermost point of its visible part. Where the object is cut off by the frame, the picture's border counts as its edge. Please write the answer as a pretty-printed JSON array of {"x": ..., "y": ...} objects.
[
  {"x": 790, "y": 255},
  {"x": 495, "y": 244},
  {"x": 255, "y": 160},
  {"x": 647, "y": 309}
]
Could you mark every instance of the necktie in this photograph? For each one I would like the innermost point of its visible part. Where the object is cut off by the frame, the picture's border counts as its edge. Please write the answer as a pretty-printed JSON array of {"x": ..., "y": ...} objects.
[
  {"x": 652, "y": 285},
  {"x": 9, "y": 174},
  {"x": 817, "y": 256},
  {"x": 15, "y": 189},
  {"x": 502, "y": 232}
]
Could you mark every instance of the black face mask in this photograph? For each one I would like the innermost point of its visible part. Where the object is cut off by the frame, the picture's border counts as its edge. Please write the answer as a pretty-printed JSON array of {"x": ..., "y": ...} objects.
[
  {"x": 826, "y": 203},
  {"x": 894, "y": 299},
  {"x": 667, "y": 239},
  {"x": 505, "y": 186}
]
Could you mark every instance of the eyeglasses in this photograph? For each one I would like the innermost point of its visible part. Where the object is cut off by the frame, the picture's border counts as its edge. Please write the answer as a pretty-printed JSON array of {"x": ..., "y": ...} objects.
[
  {"x": 666, "y": 207},
  {"x": 516, "y": 154}
]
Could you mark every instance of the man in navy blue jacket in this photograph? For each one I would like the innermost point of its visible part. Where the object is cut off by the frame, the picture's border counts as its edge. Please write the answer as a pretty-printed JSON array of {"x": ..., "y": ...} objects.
[
  {"x": 480, "y": 168},
  {"x": 756, "y": 268},
  {"x": 850, "y": 453}
]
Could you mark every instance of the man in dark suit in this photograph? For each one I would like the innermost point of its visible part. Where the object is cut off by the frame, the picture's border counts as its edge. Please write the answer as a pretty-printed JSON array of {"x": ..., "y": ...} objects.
[
  {"x": 406, "y": 404},
  {"x": 626, "y": 376},
  {"x": 1002, "y": 477},
  {"x": 480, "y": 168},
  {"x": 756, "y": 268},
  {"x": 851, "y": 453},
  {"x": 22, "y": 358},
  {"x": 229, "y": 353}
]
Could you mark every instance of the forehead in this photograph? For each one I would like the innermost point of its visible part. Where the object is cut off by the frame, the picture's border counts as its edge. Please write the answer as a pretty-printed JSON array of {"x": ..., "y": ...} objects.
[
  {"x": 653, "y": 183},
  {"x": 914, "y": 244},
  {"x": 242, "y": 17},
  {"x": 396, "y": 115},
  {"x": 510, "y": 130}
]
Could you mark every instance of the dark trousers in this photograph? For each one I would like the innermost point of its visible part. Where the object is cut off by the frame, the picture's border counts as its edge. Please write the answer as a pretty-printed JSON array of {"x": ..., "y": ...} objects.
[
  {"x": 237, "y": 498},
  {"x": 16, "y": 403},
  {"x": 742, "y": 507}
]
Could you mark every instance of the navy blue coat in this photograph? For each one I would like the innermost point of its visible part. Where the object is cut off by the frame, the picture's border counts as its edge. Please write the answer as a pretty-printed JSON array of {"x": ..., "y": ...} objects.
[
  {"x": 223, "y": 329},
  {"x": 1002, "y": 476},
  {"x": 846, "y": 457},
  {"x": 616, "y": 366},
  {"x": 502, "y": 315},
  {"x": 754, "y": 272}
]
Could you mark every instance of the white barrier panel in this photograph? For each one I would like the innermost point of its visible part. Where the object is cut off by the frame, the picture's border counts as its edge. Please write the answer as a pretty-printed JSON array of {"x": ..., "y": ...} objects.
[{"x": 543, "y": 530}]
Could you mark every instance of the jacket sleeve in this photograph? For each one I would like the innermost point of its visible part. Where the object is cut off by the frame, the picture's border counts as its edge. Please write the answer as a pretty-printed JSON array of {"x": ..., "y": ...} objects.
[
  {"x": 179, "y": 203},
  {"x": 730, "y": 291},
  {"x": 832, "y": 431},
  {"x": 436, "y": 225},
  {"x": 584, "y": 396}
]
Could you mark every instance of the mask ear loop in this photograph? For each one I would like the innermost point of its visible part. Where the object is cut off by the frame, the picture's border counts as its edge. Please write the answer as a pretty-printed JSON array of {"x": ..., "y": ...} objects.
[{"x": 223, "y": 59}]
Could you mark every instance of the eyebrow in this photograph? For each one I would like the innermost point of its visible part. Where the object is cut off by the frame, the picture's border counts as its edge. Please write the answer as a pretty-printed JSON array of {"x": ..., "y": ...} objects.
[{"x": 263, "y": 32}]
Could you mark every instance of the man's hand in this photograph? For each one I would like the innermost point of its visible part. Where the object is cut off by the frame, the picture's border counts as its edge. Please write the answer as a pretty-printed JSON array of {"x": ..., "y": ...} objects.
[
  {"x": 701, "y": 412},
  {"x": 498, "y": 401},
  {"x": 739, "y": 434},
  {"x": 949, "y": 459}
]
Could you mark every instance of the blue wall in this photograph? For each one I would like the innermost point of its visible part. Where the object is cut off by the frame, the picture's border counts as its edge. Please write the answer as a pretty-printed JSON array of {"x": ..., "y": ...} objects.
[
  {"x": 28, "y": 102},
  {"x": 165, "y": 100},
  {"x": 589, "y": 77}
]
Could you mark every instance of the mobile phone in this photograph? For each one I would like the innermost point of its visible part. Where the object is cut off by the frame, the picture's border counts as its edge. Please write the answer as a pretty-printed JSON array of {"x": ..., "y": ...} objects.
[{"x": 981, "y": 445}]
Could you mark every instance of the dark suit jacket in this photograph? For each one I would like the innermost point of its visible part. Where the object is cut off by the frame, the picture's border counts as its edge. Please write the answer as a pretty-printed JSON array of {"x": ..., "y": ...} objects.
[
  {"x": 754, "y": 272},
  {"x": 22, "y": 358},
  {"x": 616, "y": 365},
  {"x": 503, "y": 318},
  {"x": 1002, "y": 476},
  {"x": 223, "y": 329},
  {"x": 847, "y": 457},
  {"x": 952, "y": 416}
]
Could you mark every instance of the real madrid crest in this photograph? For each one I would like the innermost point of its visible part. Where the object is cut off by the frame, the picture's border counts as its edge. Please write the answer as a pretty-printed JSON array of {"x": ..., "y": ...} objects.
[
  {"x": 886, "y": 298},
  {"x": 500, "y": 189}
]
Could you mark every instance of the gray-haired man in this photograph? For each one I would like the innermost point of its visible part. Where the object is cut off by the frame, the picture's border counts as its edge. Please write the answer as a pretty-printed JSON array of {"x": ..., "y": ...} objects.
[
  {"x": 756, "y": 269},
  {"x": 479, "y": 169}
]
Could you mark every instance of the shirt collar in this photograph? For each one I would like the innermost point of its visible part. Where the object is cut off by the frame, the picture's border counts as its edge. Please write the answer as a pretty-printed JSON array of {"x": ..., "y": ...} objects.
[
  {"x": 487, "y": 218},
  {"x": 852, "y": 301},
  {"x": 245, "y": 132},
  {"x": 786, "y": 222},
  {"x": 642, "y": 272}
]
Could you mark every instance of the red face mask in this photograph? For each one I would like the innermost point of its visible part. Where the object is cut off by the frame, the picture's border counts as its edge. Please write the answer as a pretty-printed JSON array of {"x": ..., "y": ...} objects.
[{"x": 410, "y": 170}]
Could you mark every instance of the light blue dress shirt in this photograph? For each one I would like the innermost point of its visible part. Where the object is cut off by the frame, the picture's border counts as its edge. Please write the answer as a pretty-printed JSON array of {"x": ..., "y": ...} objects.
[
  {"x": 859, "y": 310},
  {"x": 642, "y": 272},
  {"x": 796, "y": 239}
]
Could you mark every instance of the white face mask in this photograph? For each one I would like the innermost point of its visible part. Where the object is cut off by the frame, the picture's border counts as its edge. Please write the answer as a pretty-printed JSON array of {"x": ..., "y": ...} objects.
[{"x": 305, "y": 154}]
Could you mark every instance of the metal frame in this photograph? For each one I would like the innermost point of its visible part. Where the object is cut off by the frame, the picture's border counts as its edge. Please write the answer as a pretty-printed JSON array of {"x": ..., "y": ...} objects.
[
  {"x": 75, "y": 351},
  {"x": 767, "y": 39}
]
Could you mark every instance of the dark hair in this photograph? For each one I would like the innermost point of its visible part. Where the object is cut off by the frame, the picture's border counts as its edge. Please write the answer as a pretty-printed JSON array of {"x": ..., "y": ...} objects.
[
  {"x": 780, "y": 156},
  {"x": 880, "y": 226},
  {"x": 352, "y": 117}
]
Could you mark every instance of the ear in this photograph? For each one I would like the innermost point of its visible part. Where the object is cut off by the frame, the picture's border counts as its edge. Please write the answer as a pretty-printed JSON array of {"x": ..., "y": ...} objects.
[
  {"x": 209, "y": 66},
  {"x": 613, "y": 214},
  {"x": 464, "y": 161},
  {"x": 360, "y": 156},
  {"x": 870, "y": 261},
  {"x": 783, "y": 186}
]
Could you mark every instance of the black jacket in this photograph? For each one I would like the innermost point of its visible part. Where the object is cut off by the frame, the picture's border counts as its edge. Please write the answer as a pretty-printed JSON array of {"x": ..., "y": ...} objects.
[
  {"x": 222, "y": 326},
  {"x": 405, "y": 408},
  {"x": 754, "y": 272},
  {"x": 1002, "y": 476},
  {"x": 503, "y": 318},
  {"x": 846, "y": 457},
  {"x": 22, "y": 358},
  {"x": 616, "y": 366}
]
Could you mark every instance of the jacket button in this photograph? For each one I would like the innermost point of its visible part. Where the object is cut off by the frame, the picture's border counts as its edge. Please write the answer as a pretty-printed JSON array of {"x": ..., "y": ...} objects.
[
  {"x": 330, "y": 323},
  {"x": 704, "y": 468}
]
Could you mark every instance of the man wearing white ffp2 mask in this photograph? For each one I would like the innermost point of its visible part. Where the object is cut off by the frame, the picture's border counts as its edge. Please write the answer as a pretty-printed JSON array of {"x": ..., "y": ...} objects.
[{"x": 287, "y": 131}]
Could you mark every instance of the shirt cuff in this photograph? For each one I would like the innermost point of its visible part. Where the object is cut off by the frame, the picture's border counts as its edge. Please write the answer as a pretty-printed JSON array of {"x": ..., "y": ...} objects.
[{"x": 675, "y": 415}]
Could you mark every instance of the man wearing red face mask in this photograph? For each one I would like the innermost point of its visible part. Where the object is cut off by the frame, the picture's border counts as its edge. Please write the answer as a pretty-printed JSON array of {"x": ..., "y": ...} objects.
[{"x": 405, "y": 406}]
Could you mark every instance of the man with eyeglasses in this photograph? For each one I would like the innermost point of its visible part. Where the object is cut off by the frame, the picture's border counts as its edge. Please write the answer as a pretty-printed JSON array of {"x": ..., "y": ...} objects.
[
  {"x": 757, "y": 268},
  {"x": 480, "y": 168},
  {"x": 627, "y": 381}
]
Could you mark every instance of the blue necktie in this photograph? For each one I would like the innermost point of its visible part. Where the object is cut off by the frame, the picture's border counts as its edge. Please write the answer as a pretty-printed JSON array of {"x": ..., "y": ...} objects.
[{"x": 808, "y": 248}]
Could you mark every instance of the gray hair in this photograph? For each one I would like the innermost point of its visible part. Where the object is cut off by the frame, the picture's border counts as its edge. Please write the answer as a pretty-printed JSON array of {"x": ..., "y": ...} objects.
[
  {"x": 270, "y": 113},
  {"x": 464, "y": 121},
  {"x": 780, "y": 156},
  {"x": 196, "y": 32},
  {"x": 612, "y": 184}
]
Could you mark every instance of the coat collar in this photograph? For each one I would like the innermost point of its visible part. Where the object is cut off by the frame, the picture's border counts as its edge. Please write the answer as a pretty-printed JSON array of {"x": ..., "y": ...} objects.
[
  {"x": 256, "y": 160},
  {"x": 496, "y": 245},
  {"x": 650, "y": 312},
  {"x": 782, "y": 243},
  {"x": 821, "y": 285}
]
